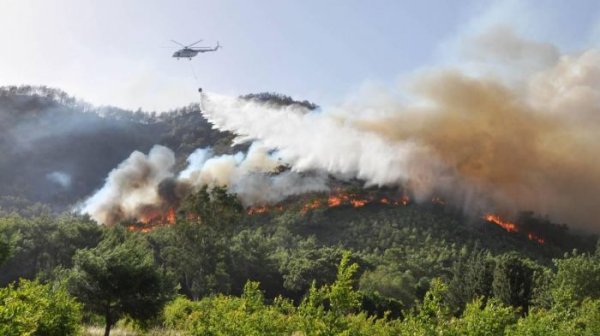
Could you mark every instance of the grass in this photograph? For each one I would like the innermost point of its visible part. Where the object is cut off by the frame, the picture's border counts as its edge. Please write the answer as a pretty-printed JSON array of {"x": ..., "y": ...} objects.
[{"x": 99, "y": 331}]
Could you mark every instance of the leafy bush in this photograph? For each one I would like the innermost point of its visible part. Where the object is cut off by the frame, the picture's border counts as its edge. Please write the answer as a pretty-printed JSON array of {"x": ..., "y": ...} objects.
[
  {"x": 177, "y": 314},
  {"x": 577, "y": 277},
  {"x": 479, "y": 319},
  {"x": 31, "y": 308}
]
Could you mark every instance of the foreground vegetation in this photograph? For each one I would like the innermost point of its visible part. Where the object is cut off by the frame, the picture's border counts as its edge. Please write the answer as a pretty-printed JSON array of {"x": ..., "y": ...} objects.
[
  {"x": 336, "y": 309},
  {"x": 378, "y": 270}
]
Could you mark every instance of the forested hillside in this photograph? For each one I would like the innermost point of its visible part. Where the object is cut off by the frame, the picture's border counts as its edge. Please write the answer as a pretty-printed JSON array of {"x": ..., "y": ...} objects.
[
  {"x": 376, "y": 264},
  {"x": 405, "y": 255},
  {"x": 57, "y": 150}
]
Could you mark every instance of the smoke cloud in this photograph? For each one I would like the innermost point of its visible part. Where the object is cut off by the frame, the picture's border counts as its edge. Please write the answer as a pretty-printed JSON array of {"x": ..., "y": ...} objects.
[
  {"x": 132, "y": 187},
  {"x": 516, "y": 127},
  {"x": 145, "y": 186},
  {"x": 523, "y": 140},
  {"x": 253, "y": 176},
  {"x": 60, "y": 178}
]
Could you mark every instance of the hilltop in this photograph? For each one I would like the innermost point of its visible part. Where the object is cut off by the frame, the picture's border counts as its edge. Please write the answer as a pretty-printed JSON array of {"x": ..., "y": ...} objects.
[{"x": 57, "y": 149}]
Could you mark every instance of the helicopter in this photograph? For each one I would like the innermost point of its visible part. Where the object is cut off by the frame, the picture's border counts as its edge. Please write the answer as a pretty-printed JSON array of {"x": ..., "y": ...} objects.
[{"x": 189, "y": 52}]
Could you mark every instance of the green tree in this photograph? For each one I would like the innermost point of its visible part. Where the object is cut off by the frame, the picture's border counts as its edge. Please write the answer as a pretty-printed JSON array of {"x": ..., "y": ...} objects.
[
  {"x": 119, "y": 277},
  {"x": 541, "y": 297},
  {"x": 197, "y": 253},
  {"x": 5, "y": 244},
  {"x": 344, "y": 299},
  {"x": 481, "y": 318},
  {"x": 388, "y": 282},
  {"x": 431, "y": 315},
  {"x": 583, "y": 320},
  {"x": 44, "y": 242},
  {"x": 198, "y": 248},
  {"x": 513, "y": 281},
  {"x": 254, "y": 257},
  {"x": 32, "y": 308},
  {"x": 215, "y": 207},
  {"x": 577, "y": 277},
  {"x": 435, "y": 309},
  {"x": 307, "y": 262},
  {"x": 472, "y": 277}
]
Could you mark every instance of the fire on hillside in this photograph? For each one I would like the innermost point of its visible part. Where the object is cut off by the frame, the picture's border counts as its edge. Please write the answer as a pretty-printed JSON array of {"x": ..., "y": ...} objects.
[
  {"x": 337, "y": 199},
  {"x": 153, "y": 219},
  {"x": 511, "y": 227}
]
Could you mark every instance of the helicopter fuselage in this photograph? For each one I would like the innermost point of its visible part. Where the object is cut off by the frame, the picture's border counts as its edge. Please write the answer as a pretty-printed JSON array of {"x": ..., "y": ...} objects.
[
  {"x": 186, "y": 53},
  {"x": 192, "y": 52}
]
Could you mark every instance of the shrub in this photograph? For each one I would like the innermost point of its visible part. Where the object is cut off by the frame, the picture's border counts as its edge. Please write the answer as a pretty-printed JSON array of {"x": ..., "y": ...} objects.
[{"x": 31, "y": 308}]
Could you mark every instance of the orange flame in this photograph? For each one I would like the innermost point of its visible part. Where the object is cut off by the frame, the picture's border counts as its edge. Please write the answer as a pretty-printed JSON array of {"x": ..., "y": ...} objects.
[
  {"x": 154, "y": 218},
  {"x": 357, "y": 203},
  {"x": 508, "y": 226},
  {"x": 533, "y": 236},
  {"x": 140, "y": 229},
  {"x": 149, "y": 216},
  {"x": 511, "y": 227},
  {"x": 335, "y": 199},
  {"x": 257, "y": 210},
  {"x": 171, "y": 217},
  {"x": 314, "y": 204}
]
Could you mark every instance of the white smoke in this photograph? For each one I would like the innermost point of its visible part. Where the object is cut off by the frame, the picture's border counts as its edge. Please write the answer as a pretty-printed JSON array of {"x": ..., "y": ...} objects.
[
  {"x": 145, "y": 184},
  {"x": 131, "y": 186},
  {"x": 61, "y": 178},
  {"x": 253, "y": 177}
]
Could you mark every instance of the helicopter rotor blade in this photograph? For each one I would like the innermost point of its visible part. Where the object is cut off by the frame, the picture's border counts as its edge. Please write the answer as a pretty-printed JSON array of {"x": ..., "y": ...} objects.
[
  {"x": 193, "y": 44},
  {"x": 177, "y": 43}
]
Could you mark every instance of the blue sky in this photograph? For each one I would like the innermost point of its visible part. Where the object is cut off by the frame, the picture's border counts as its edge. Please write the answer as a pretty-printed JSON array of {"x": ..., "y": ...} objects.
[{"x": 112, "y": 52}]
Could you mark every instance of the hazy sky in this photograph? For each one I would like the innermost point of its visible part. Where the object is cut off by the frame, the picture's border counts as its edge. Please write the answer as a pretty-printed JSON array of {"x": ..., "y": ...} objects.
[{"x": 113, "y": 51}]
